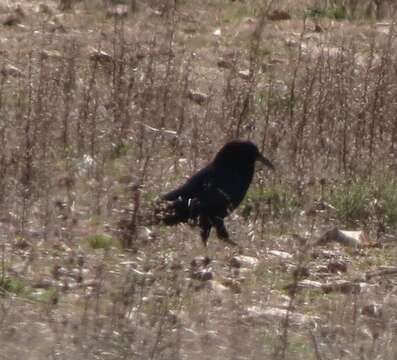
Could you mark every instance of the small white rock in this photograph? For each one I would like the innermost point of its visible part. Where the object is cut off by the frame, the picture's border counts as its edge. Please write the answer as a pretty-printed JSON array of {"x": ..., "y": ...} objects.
[{"x": 217, "y": 32}]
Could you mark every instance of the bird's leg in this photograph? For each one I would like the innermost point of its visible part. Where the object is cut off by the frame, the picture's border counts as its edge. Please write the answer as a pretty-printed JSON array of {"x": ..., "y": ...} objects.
[
  {"x": 205, "y": 229},
  {"x": 221, "y": 231}
]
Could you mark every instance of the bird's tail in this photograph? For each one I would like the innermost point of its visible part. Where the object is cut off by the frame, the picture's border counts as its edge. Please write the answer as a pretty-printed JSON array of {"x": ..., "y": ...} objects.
[{"x": 174, "y": 212}]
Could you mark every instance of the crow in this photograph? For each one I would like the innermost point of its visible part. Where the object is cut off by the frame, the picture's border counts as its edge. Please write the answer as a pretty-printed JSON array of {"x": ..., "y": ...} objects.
[{"x": 215, "y": 191}]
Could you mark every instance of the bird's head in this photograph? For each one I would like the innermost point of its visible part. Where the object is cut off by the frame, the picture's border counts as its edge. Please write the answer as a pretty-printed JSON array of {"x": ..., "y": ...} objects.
[{"x": 240, "y": 152}]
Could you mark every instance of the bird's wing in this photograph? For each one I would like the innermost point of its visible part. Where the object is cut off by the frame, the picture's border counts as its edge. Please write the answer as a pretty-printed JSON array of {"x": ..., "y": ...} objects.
[
  {"x": 193, "y": 187},
  {"x": 209, "y": 192}
]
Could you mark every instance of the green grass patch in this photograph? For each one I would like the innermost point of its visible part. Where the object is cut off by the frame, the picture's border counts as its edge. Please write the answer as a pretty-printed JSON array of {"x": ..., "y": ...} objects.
[
  {"x": 317, "y": 297},
  {"x": 270, "y": 277},
  {"x": 386, "y": 194},
  {"x": 334, "y": 11},
  {"x": 120, "y": 149},
  {"x": 277, "y": 98},
  {"x": 352, "y": 201},
  {"x": 356, "y": 202},
  {"x": 17, "y": 286},
  {"x": 120, "y": 2},
  {"x": 100, "y": 241},
  {"x": 13, "y": 285},
  {"x": 280, "y": 201},
  {"x": 298, "y": 345},
  {"x": 264, "y": 51}
]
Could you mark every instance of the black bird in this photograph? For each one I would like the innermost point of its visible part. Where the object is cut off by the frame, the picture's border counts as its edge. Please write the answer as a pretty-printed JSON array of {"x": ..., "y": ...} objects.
[{"x": 215, "y": 191}]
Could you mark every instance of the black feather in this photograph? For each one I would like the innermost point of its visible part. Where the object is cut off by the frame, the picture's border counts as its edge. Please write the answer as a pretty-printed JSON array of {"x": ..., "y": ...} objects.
[{"x": 215, "y": 191}]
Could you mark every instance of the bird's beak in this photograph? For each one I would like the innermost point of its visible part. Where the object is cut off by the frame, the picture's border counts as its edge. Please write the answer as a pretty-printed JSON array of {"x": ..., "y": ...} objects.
[{"x": 265, "y": 161}]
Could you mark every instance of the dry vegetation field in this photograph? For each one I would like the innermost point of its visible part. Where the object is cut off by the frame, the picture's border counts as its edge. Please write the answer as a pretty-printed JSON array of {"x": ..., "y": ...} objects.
[{"x": 100, "y": 113}]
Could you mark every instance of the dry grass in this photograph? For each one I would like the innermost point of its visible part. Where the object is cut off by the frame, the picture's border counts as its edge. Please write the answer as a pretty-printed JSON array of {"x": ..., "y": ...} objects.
[{"x": 97, "y": 120}]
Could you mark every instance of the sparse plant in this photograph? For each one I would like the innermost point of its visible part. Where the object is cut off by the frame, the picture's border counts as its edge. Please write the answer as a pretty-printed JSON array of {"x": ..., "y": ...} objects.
[
  {"x": 334, "y": 11},
  {"x": 12, "y": 285},
  {"x": 99, "y": 241},
  {"x": 97, "y": 118},
  {"x": 278, "y": 200},
  {"x": 356, "y": 202},
  {"x": 352, "y": 201},
  {"x": 385, "y": 198}
]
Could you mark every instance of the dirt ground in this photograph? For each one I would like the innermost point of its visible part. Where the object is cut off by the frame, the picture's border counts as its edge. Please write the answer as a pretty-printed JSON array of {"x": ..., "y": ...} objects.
[{"x": 104, "y": 108}]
